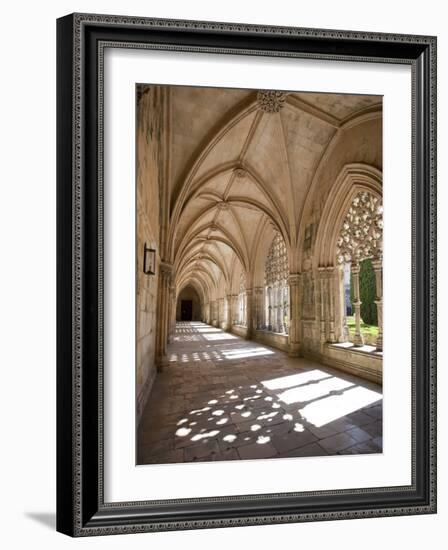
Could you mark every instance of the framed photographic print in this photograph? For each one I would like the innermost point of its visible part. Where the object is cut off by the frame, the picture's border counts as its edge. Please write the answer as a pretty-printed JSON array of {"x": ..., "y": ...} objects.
[{"x": 246, "y": 274}]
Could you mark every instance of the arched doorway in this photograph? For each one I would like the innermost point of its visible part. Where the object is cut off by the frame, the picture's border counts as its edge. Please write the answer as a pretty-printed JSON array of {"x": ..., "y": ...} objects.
[{"x": 188, "y": 305}]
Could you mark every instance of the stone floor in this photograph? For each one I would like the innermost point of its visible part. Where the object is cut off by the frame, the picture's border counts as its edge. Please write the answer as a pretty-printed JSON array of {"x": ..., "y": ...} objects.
[{"x": 225, "y": 398}]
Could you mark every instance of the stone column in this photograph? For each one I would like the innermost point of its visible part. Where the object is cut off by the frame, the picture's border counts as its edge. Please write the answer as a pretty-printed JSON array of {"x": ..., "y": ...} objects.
[
  {"x": 274, "y": 308},
  {"x": 286, "y": 307},
  {"x": 358, "y": 340},
  {"x": 163, "y": 311},
  {"x": 229, "y": 312},
  {"x": 378, "y": 269},
  {"x": 233, "y": 310},
  {"x": 280, "y": 327},
  {"x": 249, "y": 313},
  {"x": 219, "y": 312},
  {"x": 331, "y": 290},
  {"x": 258, "y": 307},
  {"x": 345, "y": 334},
  {"x": 269, "y": 291},
  {"x": 323, "y": 298},
  {"x": 294, "y": 300},
  {"x": 172, "y": 312},
  {"x": 215, "y": 312},
  {"x": 222, "y": 314}
]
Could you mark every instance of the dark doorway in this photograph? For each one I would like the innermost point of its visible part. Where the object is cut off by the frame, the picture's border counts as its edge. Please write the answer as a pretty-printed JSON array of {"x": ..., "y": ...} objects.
[
  {"x": 188, "y": 306},
  {"x": 186, "y": 310}
]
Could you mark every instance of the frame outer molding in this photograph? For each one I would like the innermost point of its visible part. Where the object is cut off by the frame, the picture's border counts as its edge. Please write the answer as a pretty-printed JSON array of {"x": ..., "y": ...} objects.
[{"x": 80, "y": 507}]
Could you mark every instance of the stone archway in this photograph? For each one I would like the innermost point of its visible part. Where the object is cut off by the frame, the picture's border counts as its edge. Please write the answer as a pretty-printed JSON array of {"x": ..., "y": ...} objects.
[
  {"x": 212, "y": 202},
  {"x": 188, "y": 307}
]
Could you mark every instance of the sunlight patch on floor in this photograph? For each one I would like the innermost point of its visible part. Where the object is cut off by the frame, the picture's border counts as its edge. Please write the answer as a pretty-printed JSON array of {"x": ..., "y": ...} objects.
[
  {"x": 283, "y": 404},
  {"x": 222, "y": 336},
  {"x": 294, "y": 379},
  {"x": 333, "y": 407},
  {"x": 314, "y": 391},
  {"x": 246, "y": 352}
]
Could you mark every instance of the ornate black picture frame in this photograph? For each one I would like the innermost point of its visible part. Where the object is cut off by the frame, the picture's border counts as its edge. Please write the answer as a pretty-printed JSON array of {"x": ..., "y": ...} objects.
[{"x": 81, "y": 509}]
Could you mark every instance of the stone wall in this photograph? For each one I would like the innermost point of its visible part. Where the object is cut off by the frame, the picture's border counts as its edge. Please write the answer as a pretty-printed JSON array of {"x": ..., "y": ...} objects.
[
  {"x": 273, "y": 339},
  {"x": 365, "y": 365},
  {"x": 148, "y": 169},
  {"x": 239, "y": 330}
]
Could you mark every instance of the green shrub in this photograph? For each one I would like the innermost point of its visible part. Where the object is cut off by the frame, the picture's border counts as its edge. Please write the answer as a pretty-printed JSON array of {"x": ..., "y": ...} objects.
[{"x": 366, "y": 293}]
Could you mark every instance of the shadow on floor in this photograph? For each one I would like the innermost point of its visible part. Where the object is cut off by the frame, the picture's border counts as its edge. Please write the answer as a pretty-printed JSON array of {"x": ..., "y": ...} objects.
[{"x": 47, "y": 519}]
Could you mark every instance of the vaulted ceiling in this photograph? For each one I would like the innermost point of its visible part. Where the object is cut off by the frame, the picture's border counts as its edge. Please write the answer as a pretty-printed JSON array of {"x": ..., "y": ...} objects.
[{"x": 242, "y": 163}]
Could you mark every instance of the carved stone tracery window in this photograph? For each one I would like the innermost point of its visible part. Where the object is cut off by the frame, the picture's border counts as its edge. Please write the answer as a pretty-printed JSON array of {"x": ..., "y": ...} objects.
[
  {"x": 361, "y": 234},
  {"x": 277, "y": 287},
  {"x": 361, "y": 238}
]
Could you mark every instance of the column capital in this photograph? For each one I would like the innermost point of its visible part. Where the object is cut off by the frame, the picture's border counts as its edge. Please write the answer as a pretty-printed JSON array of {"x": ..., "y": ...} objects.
[
  {"x": 355, "y": 268},
  {"x": 323, "y": 272},
  {"x": 166, "y": 268},
  {"x": 377, "y": 264},
  {"x": 294, "y": 278}
]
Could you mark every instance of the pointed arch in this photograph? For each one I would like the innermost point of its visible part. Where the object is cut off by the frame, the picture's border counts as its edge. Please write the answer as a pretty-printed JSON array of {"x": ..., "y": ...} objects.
[{"x": 352, "y": 179}]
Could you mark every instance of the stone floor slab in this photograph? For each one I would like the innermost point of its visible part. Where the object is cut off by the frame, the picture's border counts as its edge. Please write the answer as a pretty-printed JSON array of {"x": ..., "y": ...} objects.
[
  {"x": 214, "y": 401},
  {"x": 337, "y": 442},
  {"x": 257, "y": 450}
]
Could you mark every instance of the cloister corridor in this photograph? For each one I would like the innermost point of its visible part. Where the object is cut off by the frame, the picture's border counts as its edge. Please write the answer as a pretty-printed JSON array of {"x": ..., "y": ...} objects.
[{"x": 221, "y": 397}]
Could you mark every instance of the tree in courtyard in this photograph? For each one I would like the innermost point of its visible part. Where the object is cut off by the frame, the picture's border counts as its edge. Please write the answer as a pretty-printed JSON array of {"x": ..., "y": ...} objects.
[{"x": 367, "y": 293}]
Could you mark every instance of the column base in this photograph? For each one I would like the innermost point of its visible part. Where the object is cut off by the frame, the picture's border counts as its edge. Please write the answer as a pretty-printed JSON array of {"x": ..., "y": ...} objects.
[
  {"x": 161, "y": 362},
  {"x": 294, "y": 350},
  {"x": 379, "y": 343},
  {"x": 358, "y": 340}
]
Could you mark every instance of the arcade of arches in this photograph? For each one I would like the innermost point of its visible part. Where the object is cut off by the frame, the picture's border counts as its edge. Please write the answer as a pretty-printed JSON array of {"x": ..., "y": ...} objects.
[{"x": 258, "y": 204}]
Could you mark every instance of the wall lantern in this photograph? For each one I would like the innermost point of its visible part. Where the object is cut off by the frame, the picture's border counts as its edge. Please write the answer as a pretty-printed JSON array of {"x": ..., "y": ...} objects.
[{"x": 149, "y": 261}]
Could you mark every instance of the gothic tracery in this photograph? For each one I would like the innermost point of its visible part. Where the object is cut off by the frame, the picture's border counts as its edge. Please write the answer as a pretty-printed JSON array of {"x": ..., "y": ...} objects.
[
  {"x": 276, "y": 286},
  {"x": 361, "y": 238},
  {"x": 361, "y": 234}
]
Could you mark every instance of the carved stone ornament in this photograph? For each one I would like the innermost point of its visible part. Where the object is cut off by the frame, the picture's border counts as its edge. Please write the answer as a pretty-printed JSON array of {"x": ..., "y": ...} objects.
[
  {"x": 276, "y": 266},
  {"x": 166, "y": 268},
  {"x": 271, "y": 101},
  {"x": 240, "y": 173},
  {"x": 222, "y": 205},
  {"x": 361, "y": 234}
]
